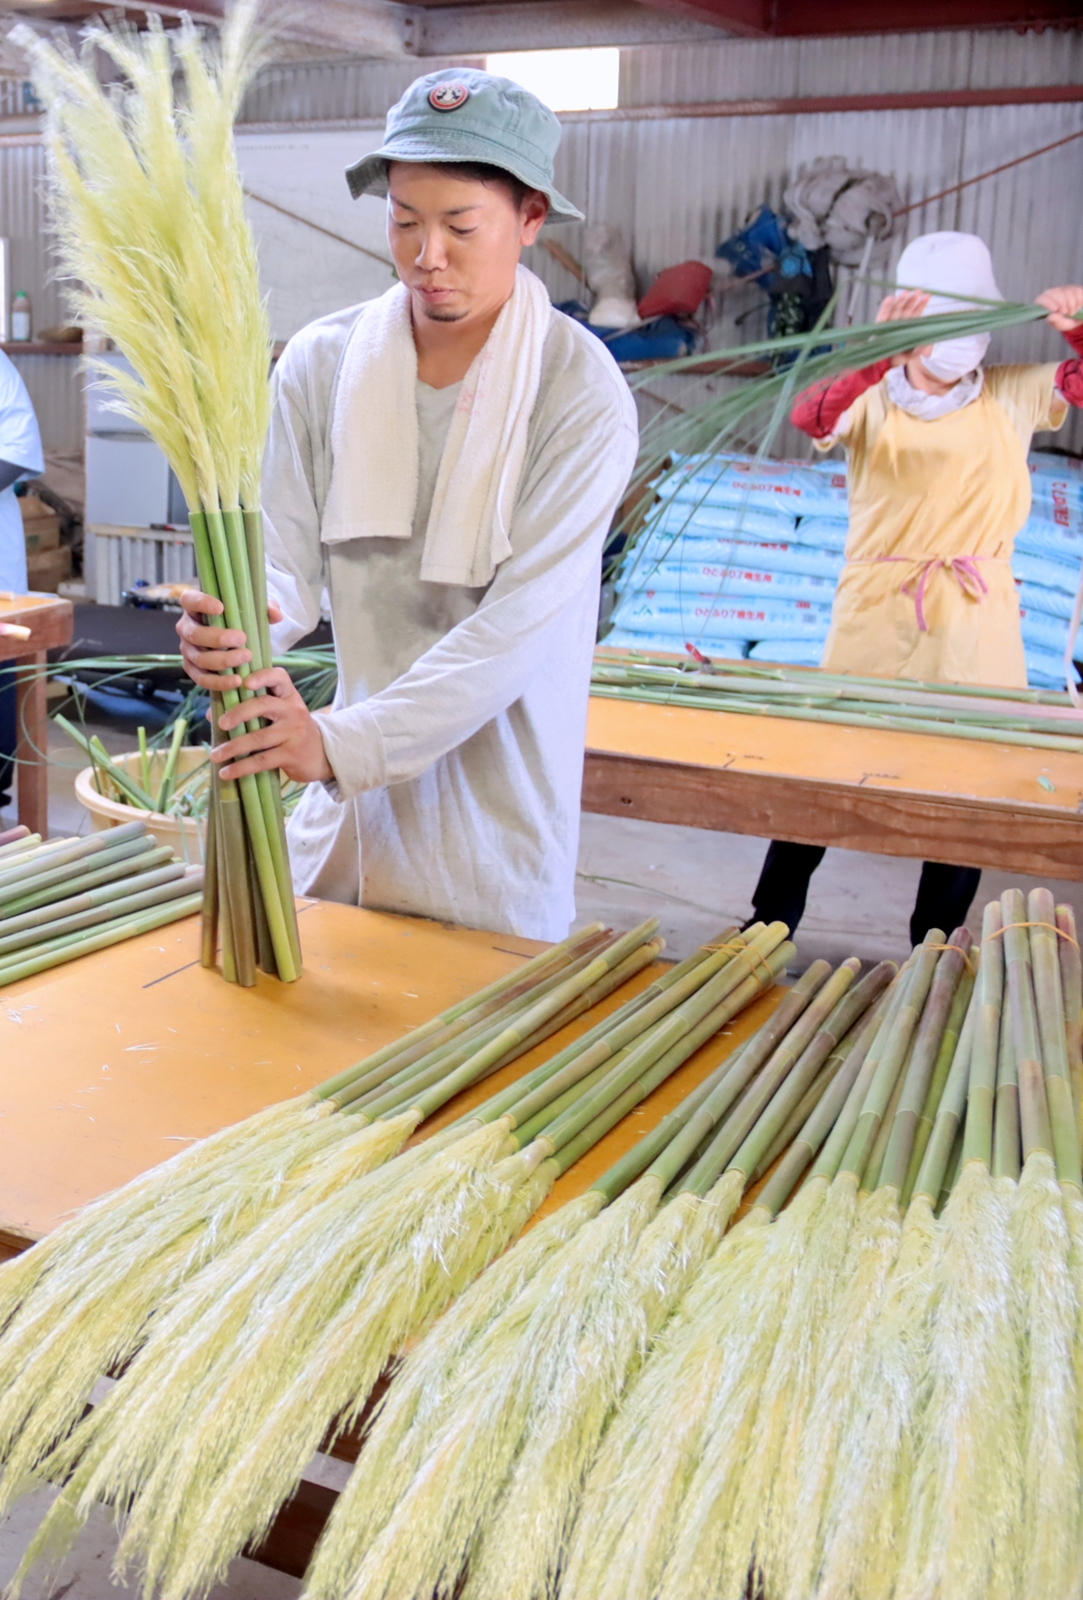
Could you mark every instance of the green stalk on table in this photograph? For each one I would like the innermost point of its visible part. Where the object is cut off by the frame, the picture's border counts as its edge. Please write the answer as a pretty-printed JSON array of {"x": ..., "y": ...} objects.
[
  {"x": 76, "y": 1306},
  {"x": 449, "y": 1206}
]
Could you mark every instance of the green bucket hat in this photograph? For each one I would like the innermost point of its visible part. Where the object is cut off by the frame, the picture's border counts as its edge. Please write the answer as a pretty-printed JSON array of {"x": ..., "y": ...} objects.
[{"x": 460, "y": 114}]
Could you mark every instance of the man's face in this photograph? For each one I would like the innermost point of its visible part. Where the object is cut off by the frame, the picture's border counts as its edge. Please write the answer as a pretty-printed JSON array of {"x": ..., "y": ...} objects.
[{"x": 456, "y": 243}]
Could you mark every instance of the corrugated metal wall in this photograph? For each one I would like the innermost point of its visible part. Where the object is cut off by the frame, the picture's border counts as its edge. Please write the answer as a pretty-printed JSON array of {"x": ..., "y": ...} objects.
[
  {"x": 742, "y": 69},
  {"x": 333, "y": 91},
  {"x": 679, "y": 185}
]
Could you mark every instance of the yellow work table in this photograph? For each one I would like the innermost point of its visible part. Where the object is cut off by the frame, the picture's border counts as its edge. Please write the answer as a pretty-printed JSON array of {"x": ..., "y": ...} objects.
[
  {"x": 109, "y": 1064},
  {"x": 967, "y": 802}
]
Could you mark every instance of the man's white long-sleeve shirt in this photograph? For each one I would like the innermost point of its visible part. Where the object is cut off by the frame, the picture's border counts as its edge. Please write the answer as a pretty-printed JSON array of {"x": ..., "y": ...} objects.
[{"x": 456, "y": 736}]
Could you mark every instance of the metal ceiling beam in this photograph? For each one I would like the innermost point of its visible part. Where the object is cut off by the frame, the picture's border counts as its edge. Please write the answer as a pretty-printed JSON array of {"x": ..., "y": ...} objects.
[
  {"x": 456, "y": 30},
  {"x": 797, "y": 18},
  {"x": 344, "y": 27},
  {"x": 749, "y": 19}
]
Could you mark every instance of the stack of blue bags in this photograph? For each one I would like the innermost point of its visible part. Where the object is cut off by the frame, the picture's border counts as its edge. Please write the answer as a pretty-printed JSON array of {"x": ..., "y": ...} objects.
[
  {"x": 741, "y": 559},
  {"x": 1047, "y": 565}
]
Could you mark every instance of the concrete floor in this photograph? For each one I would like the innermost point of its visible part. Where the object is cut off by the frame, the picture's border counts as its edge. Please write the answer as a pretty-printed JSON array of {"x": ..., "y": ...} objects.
[{"x": 695, "y": 883}]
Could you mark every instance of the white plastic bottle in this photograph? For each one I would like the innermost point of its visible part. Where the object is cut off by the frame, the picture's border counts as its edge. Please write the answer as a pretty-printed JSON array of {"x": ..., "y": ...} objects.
[{"x": 20, "y": 318}]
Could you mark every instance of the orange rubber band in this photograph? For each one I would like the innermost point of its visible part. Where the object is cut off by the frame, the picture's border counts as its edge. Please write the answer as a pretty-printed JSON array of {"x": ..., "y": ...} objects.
[
  {"x": 742, "y": 949},
  {"x": 964, "y": 953},
  {"x": 1052, "y": 925}
]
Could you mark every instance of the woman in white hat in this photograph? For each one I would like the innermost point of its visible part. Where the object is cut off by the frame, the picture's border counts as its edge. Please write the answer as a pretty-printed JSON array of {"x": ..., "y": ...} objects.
[{"x": 936, "y": 446}]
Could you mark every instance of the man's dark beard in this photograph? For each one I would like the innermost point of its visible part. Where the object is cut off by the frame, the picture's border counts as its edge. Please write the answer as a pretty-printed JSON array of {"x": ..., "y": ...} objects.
[{"x": 434, "y": 314}]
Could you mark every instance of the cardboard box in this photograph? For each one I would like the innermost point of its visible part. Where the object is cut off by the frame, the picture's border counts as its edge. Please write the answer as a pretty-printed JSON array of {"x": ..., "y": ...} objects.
[
  {"x": 31, "y": 506},
  {"x": 47, "y": 568},
  {"x": 42, "y": 534},
  {"x": 41, "y": 524}
]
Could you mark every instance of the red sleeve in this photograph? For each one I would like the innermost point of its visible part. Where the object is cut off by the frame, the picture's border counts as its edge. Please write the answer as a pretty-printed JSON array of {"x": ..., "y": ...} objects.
[
  {"x": 818, "y": 410},
  {"x": 1069, "y": 378}
]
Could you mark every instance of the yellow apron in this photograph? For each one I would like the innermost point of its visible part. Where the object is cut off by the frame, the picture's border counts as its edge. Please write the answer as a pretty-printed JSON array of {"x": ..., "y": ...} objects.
[{"x": 927, "y": 590}]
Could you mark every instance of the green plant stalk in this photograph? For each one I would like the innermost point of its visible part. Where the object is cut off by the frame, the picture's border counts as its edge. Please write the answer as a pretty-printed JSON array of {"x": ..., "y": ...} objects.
[
  {"x": 257, "y": 566},
  {"x": 265, "y": 954},
  {"x": 144, "y": 759},
  {"x": 459, "y": 1015},
  {"x": 431, "y": 1065},
  {"x": 639, "y": 1057},
  {"x": 558, "y": 1103},
  {"x": 66, "y": 854},
  {"x": 428, "y": 1066},
  {"x": 840, "y": 1136},
  {"x": 1034, "y": 1119},
  {"x": 951, "y": 1176},
  {"x": 1007, "y": 1150},
  {"x": 208, "y": 933},
  {"x": 870, "y": 1178},
  {"x": 96, "y": 903},
  {"x": 103, "y": 761},
  {"x": 244, "y": 534},
  {"x": 125, "y": 783},
  {"x": 108, "y": 866},
  {"x": 745, "y": 1148},
  {"x": 113, "y": 933},
  {"x": 433, "y": 1068},
  {"x": 643, "y": 1153},
  {"x": 1071, "y": 982},
  {"x": 747, "y": 1061},
  {"x": 849, "y": 719},
  {"x": 41, "y": 854},
  {"x": 781, "y": 1086},
  {"x": 279, "y": 910},
  {"x": 579, "y": 1134},
  {"x": 169, "y": 776},
  {"x": 716, "y": 686},
  {"x": 561, "y": 1082},
  {"x": 947, "y": 1132},
  {"x": 241, "y": 921},
  {"x": 527, "y": 1021},
  {"x": 504, "y": 1099},
  {"x": 960, "y": 1009},
  {"x": 720, "y": 1148},
  {"x": 798, "y": 678},
  {"x": 645, "y": 956},
  {"x": 840, "y": 1107},
  {"x": 800, "y": 1149},
  {"x": 923, "y": 1062},
  {"x": 806, "y": 1105},
  {"x": 989, "y": 995},
  {"x": 892, "y": 1048},
  {"x": 633, "y": 1027},
  {"x": 122, "y": 906},
  {"x": 1049, "y": 1000},
  {"x": 225, "y": 918},
  {"x": 29, "y": 841}
]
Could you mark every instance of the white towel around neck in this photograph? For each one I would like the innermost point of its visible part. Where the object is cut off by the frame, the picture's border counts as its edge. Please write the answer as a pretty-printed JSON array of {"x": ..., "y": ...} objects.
[{"x": 374, "y": 437}]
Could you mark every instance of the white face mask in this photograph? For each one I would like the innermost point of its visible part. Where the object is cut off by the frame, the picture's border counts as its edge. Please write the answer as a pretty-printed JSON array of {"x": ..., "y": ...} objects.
[{"x": 954, "y": 358}]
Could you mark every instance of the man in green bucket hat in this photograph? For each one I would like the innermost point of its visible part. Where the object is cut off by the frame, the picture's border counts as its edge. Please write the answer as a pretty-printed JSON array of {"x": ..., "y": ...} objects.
[{"x": 444, "y": 463}]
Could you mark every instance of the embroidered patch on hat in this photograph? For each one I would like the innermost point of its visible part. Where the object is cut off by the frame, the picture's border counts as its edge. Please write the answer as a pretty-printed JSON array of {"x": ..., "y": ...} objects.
[{"x": 448, "y": 96}]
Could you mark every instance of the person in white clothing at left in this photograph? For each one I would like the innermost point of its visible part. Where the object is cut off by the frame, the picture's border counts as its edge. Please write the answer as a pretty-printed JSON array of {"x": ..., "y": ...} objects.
[
  {"x": 444, "y": 462},
  {"x": 20, "y": 457}
]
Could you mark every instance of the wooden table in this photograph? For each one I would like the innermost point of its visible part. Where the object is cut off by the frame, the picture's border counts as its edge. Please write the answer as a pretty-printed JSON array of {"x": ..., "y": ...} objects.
[
  {"x": 109, "y": 1064},
  {"x": 897, "y": 794},
  {"x": 51, "y": 624}
]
